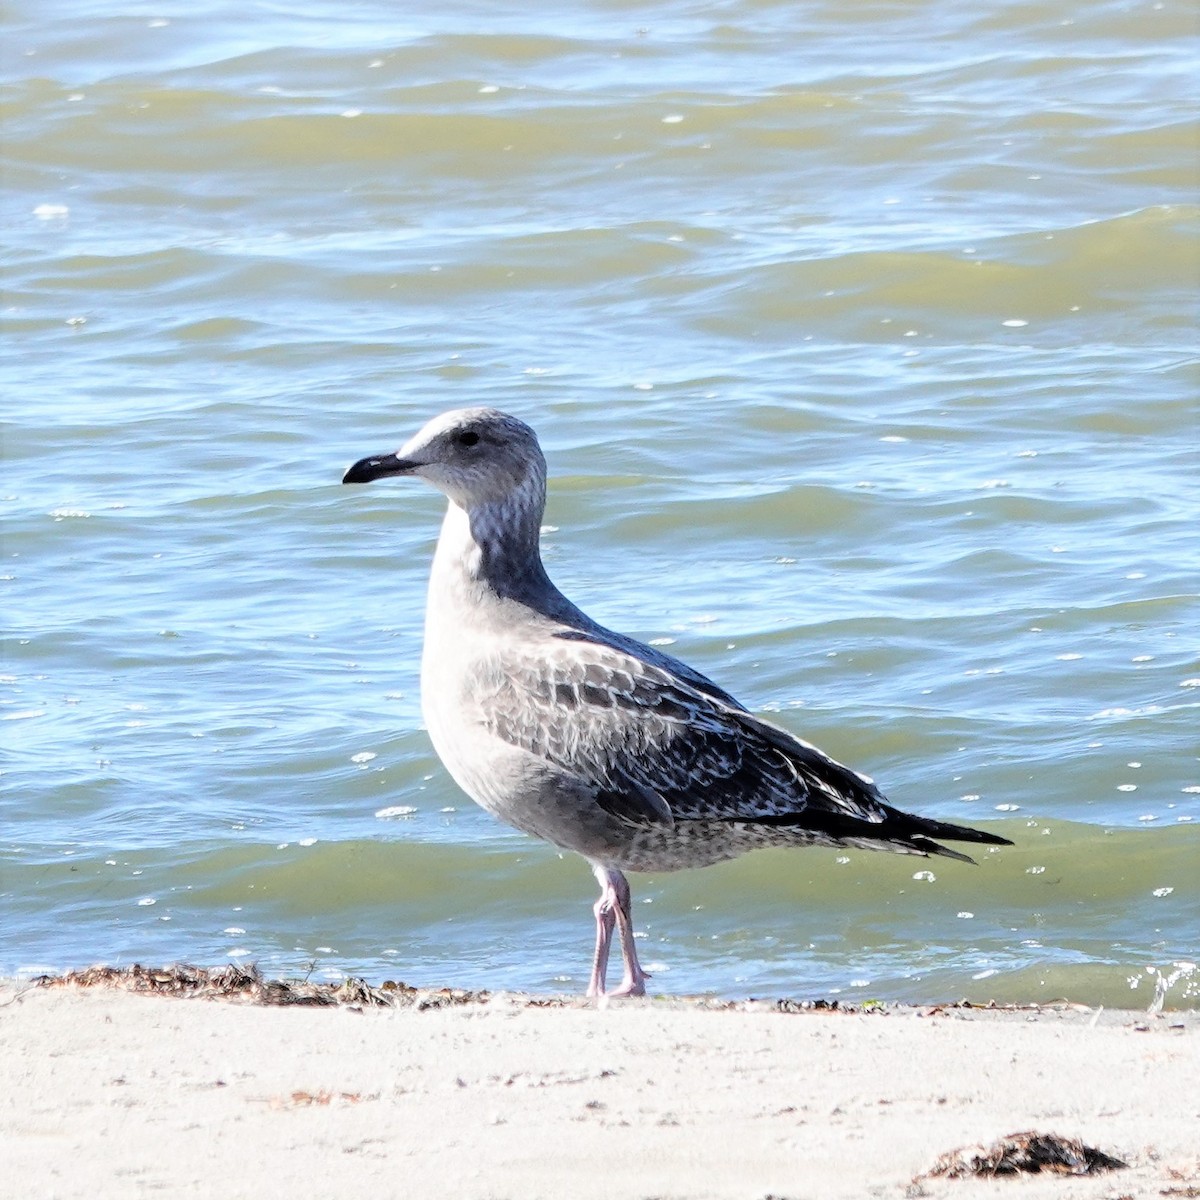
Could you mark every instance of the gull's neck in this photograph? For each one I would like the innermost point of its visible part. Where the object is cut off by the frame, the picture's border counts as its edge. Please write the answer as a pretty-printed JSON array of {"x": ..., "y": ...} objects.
[{"x": 491, "y": 552}]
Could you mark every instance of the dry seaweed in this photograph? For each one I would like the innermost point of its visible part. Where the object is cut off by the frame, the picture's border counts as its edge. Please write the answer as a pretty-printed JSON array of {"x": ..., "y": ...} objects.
[
  {"x": 1028, "y": 1153},
  {"x": 247, "y": 983}
]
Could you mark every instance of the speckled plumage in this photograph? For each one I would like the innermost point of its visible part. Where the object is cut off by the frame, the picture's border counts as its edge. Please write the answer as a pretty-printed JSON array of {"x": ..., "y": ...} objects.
[{"x": 589, "y": 739}]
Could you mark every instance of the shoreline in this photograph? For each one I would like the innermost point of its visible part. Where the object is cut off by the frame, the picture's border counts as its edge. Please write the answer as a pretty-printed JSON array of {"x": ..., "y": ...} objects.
[
  {"x": 245, "y": 983},
  {"x": 117, "y": 1091}
]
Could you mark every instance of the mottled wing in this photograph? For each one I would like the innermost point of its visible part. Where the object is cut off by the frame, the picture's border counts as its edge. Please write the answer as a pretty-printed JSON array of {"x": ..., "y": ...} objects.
[{"x": 656, "y": 749}]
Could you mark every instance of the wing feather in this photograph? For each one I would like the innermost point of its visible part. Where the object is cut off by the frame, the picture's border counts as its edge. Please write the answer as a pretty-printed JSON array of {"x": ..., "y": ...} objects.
[{"x": 657, "y": 749}]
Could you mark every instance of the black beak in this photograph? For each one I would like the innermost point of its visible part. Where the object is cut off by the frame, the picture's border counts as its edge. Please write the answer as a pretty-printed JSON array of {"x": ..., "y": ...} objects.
[{"x": 379, "y": 466}]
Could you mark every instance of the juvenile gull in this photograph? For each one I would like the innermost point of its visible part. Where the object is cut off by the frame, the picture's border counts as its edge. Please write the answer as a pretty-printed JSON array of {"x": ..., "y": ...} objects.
[{"x": 590, "y": 739}]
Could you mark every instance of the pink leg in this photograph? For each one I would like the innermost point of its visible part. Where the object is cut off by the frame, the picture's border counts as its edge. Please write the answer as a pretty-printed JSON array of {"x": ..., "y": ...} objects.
[
  {"x": 613, "y": 909},
  {"x": 605, "y": 920}
]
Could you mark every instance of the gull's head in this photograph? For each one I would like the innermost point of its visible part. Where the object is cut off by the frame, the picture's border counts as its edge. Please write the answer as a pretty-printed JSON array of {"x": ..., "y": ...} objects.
[{"x": 475, "y": 456}]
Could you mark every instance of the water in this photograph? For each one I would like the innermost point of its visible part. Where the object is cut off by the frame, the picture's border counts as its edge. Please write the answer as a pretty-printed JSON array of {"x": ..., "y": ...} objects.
[{"x": 862, "y": 344}]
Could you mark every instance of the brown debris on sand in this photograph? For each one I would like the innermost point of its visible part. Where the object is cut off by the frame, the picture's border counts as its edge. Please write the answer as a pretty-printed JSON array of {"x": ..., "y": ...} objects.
[
  {"x": 246, "y": 983},
  {"x": 234, "y": 982},
  {"x": 1028, "y": 1153}
]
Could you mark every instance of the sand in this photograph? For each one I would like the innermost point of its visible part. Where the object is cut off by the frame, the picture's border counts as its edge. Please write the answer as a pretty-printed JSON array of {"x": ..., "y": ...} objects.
[{"x": 107, "y": 1093}]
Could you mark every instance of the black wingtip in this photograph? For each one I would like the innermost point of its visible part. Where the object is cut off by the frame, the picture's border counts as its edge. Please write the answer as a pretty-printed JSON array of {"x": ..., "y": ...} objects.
[
  {"x": 923, "y": 830},
  {"x": 898, "y": 830},
  {"x": 956, "y": 833}
]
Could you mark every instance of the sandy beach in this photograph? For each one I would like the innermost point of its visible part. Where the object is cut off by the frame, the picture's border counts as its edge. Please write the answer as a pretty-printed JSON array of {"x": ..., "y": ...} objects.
[{"x": 110, "y": 1093}]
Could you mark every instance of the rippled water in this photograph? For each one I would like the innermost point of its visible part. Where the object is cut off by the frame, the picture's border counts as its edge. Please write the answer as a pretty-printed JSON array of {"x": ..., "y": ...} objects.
[{"x": 862, "y": 341}]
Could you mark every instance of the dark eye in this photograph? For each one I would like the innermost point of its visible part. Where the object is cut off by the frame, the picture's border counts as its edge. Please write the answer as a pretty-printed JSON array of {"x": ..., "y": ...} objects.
[{"x": 468, "y": 438}]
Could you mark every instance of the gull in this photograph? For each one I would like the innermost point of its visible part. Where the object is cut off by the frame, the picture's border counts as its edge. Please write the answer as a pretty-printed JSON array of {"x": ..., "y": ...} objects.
[{"x": 587, "y": 738}]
